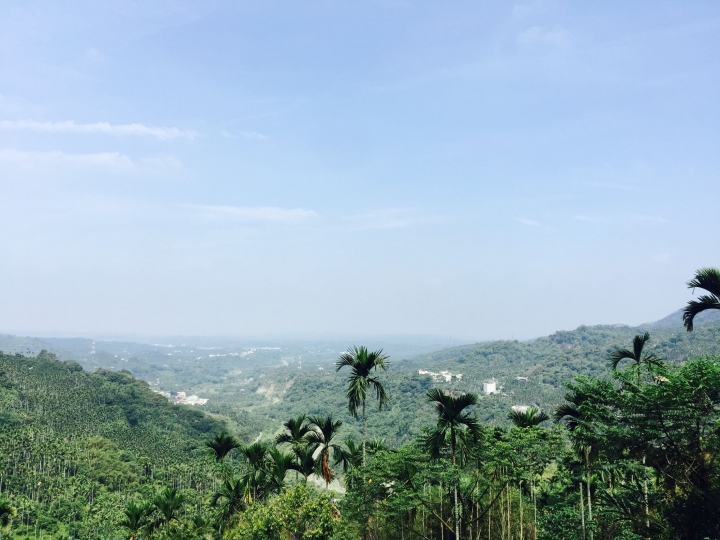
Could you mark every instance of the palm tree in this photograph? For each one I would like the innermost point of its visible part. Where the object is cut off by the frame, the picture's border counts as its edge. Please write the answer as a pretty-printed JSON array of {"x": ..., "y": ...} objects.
[
  {"x": 231, "y": 497},
  {"x": 709, "y": 280},
  {"x": 296, "y": 429},
  {"x": 362, "y": 364},
  {"x": 568, "y": 412},
  {"x": 255, "y": 455},
  {"x": 530, "y": 418},
  {"x": 277, "y": 466},
  {"x": 305, "y": 460},
  {"x": 221, "y": 445},
  {"x": 350, "y": 456},
  {"x": 636, "y": 355},
  {"x": 7, "y": 511},
  {"x": 455, "y": 426},
  {"x": 322, "y": 434},
  {"x": 135, "y": 517},
  {"x": 168, "y": 504}
]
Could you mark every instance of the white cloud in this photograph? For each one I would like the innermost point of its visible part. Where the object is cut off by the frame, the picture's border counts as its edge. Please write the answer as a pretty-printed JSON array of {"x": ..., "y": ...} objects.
[
  {"x": 529, "y": 222},
  {"x": 55, "y": 157},
  {"x": 160, "y": 133},
  {"x": 249, "y": 214}
]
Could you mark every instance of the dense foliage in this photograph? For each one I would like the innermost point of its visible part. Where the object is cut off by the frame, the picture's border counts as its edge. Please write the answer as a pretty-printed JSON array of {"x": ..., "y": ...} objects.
[{"x": 632, "y": 453}]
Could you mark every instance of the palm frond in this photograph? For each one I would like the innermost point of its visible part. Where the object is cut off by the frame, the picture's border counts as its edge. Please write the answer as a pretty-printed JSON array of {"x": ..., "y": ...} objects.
[
  {"x": 694, "y": 307},
  {"x": 296, "y": 429},
  {"x": 707, "y": 278},
  {"x": 529, "y": 418},
  {"x": 566, "y": 411},
  {"x": 639, "y": 343},
  {"x": 618, "y": 355},
  {"x": 221, "y": 445},
  {"x": 380, "y": 392},
  {"x": 433, "y": 442}
]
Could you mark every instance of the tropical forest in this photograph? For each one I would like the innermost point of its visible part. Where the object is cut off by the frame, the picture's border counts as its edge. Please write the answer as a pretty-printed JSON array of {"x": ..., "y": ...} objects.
[{"x": 608, "y": 432}]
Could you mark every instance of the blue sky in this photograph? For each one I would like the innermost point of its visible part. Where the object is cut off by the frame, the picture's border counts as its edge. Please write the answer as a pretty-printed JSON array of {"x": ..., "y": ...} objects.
[{"x": 486, "y": 170}]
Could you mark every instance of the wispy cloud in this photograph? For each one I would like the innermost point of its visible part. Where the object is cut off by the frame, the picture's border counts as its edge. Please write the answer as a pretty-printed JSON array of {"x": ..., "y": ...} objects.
[
  {"x": 105, "y": 128},
  {"x": 250, "y": 214},
  {"x": 246, "y": 134},
  {"x": 582, "y": 217},
  {"x": 528, "y": 222},
  {"x": 55, "y": 157}
]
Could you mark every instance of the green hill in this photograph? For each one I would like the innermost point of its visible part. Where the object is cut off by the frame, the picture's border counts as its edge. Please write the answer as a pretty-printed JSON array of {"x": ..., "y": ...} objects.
[
  {"x": 72, "y": 442},
  {"x": 527, "y": 373}
]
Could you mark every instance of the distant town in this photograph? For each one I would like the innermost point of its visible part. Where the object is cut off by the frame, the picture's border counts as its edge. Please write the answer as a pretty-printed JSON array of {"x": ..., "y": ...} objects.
[{"x": 181, "y": 397}]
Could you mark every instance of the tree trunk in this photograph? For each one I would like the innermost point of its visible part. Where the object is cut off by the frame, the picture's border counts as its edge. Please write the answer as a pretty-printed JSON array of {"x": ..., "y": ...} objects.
[
  {"x": 456, "y": 510},
  {"x": 442, "y": 527},
  {"x": 647, "y": 506},
  {"x": 534, "y": 511},
  {"x": 582, "y": 509},
  {"x": 589, "y": 498},
  {"x": 521, "y": 513},
  {"x": 509, "y": 512},
  {"x": 363, "y": 431}
]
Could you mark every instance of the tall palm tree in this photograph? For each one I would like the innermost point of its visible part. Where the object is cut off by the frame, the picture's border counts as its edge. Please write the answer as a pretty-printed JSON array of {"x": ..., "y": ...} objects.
[
  {"x": 230, "y": 497},
  {"x": 568, "y": 412},
  {"x": 350, "y": 456},
  {"x": 636, "y": 355},
  {"x": 305, "y": 460},
  {"x": 136, "y": 516},
  {"x": 530, "y": 418},
  {"x": 277, "y": 465},
  {"x": 255, "y": 455},
  {"x": 295, "y": 431},
  {"x": 707, "y": 279},
  {"x": 455, "y": 426},
  {"x": 7, "y": 512},
  {"x": 363, "y": 364},
  {"x": 168, "y": 503},
  {"x": 322, "y": 435},
  {"x": 221, "y": 445}
]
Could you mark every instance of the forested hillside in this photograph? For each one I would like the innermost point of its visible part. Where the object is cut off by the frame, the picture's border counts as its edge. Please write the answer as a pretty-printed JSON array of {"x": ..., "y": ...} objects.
[
  {"x": 72, "y": 443},
  {"x": 102, "y": 455},
  {"x": 543, "y": 365}
]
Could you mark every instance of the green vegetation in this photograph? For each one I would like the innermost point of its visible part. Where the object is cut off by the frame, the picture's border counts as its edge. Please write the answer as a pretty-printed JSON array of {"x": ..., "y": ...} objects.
[
  {"x": 632, "y": 453},
  {"x": 362, "y": 364},
  {"x": 709, "y": 280}
]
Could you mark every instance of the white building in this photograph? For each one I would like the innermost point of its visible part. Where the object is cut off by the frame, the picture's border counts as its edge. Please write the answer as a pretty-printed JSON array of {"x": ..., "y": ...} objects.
[{"x": 490, "y": 387}]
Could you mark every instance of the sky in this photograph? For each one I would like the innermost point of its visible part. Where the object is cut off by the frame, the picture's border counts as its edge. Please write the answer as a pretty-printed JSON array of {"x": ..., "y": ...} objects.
[{"x": 484, "y": 170}]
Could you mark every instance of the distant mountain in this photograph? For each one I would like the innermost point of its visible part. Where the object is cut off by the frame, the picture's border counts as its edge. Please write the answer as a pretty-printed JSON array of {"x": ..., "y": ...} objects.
[{"x": 675, "y": 320}]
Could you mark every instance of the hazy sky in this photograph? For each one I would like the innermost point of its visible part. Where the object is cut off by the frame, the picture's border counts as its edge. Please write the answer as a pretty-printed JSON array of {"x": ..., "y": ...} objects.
[{"x": 480, "y": 169}]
